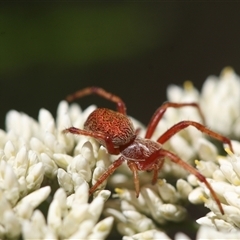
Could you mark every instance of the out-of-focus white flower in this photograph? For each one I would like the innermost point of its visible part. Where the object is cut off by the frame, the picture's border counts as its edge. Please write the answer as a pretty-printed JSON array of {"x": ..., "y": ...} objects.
[
  {"x": 150, "y": 234},
  {"x": 220, "y": 100},
  {"x": 205, "y": 233},
  {"x": 212, "y": 234}
]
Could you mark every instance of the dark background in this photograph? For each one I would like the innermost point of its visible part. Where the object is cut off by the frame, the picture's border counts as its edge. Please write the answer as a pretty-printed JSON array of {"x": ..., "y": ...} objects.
[{"x": 133, "y": 49}]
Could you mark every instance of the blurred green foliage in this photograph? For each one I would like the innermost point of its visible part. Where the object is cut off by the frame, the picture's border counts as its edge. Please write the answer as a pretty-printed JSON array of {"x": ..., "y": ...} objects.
[{"x": 78, "y": 34}]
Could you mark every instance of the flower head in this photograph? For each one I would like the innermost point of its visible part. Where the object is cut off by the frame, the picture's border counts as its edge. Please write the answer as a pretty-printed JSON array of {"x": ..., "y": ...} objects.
[
  {"x": 41, "y": 166},
  {"x": 34, "y": 154}
]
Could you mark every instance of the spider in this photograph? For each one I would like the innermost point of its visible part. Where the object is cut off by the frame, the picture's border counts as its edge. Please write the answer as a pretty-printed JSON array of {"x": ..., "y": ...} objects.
[{"x": 115, "y": 131}]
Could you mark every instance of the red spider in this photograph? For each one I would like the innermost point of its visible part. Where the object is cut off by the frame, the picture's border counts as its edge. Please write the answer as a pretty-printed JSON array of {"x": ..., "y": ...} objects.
[{"x": 115, "y": 131}]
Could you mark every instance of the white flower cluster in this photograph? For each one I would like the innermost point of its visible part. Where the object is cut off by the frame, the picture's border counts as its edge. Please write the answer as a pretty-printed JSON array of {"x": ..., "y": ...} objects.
[
  {"x": 206, "y": 233},
  {"x": 160, "y": 203},
  {"x": 220, "y": 103},
  {"x": 156, "y": 205},
  {"x": 35, "y": 154},
  {"x": 224, "y": 175},
  {"x": 220, "y": 100},
  {"x": 42, "y": 168}
]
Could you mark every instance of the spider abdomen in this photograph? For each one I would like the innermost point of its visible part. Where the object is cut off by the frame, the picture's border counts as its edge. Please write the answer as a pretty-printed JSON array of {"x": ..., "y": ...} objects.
[{"x": 117, "y": 125}]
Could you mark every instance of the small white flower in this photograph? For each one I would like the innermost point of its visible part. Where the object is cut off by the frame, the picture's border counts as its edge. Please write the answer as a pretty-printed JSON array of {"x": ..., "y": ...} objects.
[
  {"x": 32, "y": 200},
  {"x": 65, "y": 181},
  {"x": 101, "y": 229},
  {"x": 153, "y": 234},
  {"x": 11, "y": 224},
  {"x": 183, "y": 188},
  {"x": 181, "y": 236},
  {"x": 9, "y": 183},
  {"x": 36, "y": 228}
]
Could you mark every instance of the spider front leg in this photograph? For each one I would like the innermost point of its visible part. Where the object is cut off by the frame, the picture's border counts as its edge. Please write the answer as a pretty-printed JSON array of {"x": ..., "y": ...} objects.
[
  {"x": 103, "y": 138},
  {"x": 174, "y": 158},
  {"x": 133, "y": 167},
  {"x": 184, "y": 124},
  {"x": 156, "y": 166},
  {"x": 102, "y": 93},
  {"x": 157, "y": 116},
  {"x": 110, "y": 170},
  {"x": 162, "y": 153}
]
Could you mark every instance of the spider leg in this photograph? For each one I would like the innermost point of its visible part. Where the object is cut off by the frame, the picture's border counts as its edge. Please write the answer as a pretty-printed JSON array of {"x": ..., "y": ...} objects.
[
  {"x": 174, "y": 158},
  {"x": 183, "y": 124},
  {"x": 110, "y": 170},
  {"x": 162, "y": 153},
  {"x": 98, "y": 135},
  {"x": 157, "y": 116},
  {"x": 100, "y": 92},
  {"x": 133, "y": 167},
  {"x": 156, "y": 168}
]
